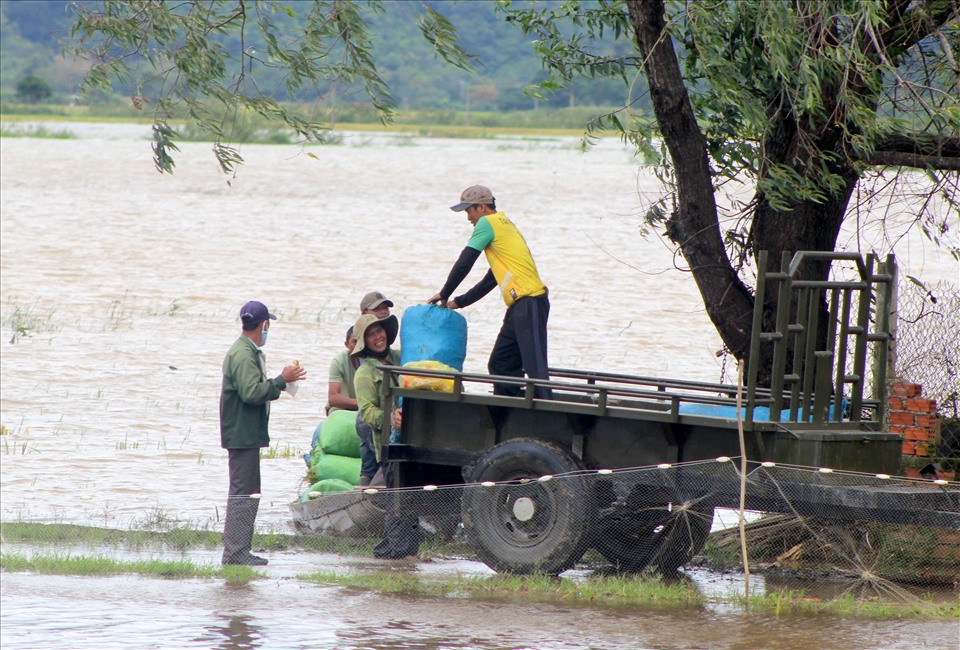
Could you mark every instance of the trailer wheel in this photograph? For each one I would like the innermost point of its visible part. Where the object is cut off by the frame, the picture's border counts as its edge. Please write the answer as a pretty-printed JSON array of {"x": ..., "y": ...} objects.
[
  {"x": 527, "y": 526},
  {"x": 651, "y": 530}
]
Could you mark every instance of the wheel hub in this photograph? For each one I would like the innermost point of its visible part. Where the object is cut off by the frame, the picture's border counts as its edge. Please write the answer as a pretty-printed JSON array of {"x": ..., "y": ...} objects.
[{"x": 524, "y": 509}]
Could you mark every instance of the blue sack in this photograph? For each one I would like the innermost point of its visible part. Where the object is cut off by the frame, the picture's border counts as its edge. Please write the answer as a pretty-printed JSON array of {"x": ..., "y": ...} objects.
[{"x": 432, "y": 333}]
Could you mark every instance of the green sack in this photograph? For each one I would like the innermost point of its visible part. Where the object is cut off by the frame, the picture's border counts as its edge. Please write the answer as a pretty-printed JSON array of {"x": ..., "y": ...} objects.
[
  {"x": 338, "y": 435},
  {"x": 326, "y": 486},
  {"x": 341, "y": 467}
]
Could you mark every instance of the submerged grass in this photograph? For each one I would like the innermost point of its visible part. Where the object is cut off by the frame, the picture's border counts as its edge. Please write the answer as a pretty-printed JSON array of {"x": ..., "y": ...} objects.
[
  {"x": 28, "y": 320},
  {"x": 82, "y": 565},
  {"x": 599, "y": 590},
  {"x": 251, "y": 128},
  {"x": 286, "y": 452},
  {"x": 176, "y": 538},
  {"x": 35, "y": 131},
  {"x": 629, "y": 591},
  {"x": 71, "y": 534},
  {"x": 798, "y": 603}
]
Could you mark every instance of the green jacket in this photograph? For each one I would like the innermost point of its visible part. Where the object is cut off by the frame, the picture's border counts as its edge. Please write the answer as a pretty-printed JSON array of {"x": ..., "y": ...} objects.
[
  {"x": 245, "y": 397},
  {"x": 368, "y": 384}
]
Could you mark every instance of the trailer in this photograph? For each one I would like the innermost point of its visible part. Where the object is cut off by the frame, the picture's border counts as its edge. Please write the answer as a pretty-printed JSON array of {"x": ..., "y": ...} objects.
[{"x": 543, "y": 480}]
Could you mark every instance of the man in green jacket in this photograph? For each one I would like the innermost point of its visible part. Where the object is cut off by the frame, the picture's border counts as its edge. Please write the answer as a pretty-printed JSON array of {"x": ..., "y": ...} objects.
[{"x": 244, "y": 413}]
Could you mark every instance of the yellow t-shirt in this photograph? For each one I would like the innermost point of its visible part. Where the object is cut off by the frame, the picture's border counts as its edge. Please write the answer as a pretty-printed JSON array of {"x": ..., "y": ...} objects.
[{"x": 508, "y": 256}]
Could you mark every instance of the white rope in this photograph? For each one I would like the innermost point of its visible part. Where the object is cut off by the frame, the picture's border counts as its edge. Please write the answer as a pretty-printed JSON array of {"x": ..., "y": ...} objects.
[{"x": 743, "y": 486}]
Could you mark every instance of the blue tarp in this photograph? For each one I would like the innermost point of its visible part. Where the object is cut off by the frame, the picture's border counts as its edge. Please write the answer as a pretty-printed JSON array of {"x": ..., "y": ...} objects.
[{"x": 760, "y": 413}]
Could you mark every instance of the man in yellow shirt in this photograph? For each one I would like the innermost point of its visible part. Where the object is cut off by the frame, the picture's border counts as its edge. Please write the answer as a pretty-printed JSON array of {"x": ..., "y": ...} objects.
[{"x": 521, "y": 345}]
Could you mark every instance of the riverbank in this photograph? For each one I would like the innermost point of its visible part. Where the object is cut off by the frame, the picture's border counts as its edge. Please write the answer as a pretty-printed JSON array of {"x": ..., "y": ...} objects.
[
  {"x": 553, "y": 123},
  {"x": 444, "y": 568}
]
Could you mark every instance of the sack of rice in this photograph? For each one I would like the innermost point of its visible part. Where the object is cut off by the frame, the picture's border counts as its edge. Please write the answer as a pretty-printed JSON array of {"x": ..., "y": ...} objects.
[
  {"x": 432, "y": 333},
  {"x": 340, "y": 467},
  {"x": 338, "y": 434},
  {"x": 420, "y": 382},
  {"x": 325, "y": 486}
]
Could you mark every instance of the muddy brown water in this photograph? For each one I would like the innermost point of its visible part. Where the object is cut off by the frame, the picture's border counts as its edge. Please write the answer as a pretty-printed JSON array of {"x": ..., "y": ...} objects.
[{"x": 122, "y": 287}]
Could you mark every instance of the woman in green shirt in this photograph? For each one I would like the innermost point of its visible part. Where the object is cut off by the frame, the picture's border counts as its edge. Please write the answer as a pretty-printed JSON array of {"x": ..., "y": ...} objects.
[{"x": 401, "y": 534}]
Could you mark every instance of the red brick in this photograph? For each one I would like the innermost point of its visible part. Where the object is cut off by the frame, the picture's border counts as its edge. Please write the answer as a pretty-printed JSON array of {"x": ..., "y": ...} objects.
[
  {"x": 897, "y": 403},
  {"x": 903, "y": 418},
  {"x": 930, "y": 423},
  {"x": 913, "y": 433},
  {"x": 909, "y": 448},
  {"x": 923, "y": 448},
  {"x": 905, "y": 390},
  {"x": 911, "y": 472},
  {"x": 920, "y": 405}
]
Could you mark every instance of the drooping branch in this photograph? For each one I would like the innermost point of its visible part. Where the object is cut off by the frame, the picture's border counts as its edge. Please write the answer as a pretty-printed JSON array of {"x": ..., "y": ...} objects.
[
  {"x": 908, "y": 25},
  {"x": 922, "y": 153}
]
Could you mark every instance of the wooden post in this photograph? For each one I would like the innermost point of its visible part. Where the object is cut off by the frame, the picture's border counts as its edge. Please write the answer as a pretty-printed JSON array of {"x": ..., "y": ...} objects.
[{"x": 885, "y": 362}]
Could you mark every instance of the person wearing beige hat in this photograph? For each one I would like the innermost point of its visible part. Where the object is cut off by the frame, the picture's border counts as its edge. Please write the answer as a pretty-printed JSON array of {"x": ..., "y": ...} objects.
[
  {"x": 372, "y": 349},
  {"x": 401, "y": 530},
  {"x": 521, "y": 345},
  {"x": 343, "y": 367}
]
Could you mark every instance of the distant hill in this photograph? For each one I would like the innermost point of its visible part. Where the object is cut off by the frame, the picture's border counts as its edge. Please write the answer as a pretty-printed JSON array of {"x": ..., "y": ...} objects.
[{"x": 30, "y": 33}]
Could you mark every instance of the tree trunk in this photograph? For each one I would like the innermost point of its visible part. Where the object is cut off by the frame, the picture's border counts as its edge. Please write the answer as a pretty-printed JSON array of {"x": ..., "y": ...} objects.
[{"x": 694, "y": 226}]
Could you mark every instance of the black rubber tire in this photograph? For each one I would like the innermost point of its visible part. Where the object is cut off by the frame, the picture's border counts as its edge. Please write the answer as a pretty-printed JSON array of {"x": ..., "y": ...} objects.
[
  {"x": 649, "y": 529},
  {"x": 527, "y": 526}
]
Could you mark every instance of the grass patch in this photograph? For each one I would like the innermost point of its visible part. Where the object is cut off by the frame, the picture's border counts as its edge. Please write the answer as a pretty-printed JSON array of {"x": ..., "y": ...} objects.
[
  {"x": 612, "y": 590},
  {"x": 598, "y": 590},
  {"x": 629, "y": 591},
  {"x": 388, "y": 582},
  {"x": 27, "y": 320},
  {"x": 35, "y": 131},
  {"x": 251, "y": 128},
  {"x": 101, "y": 566},
  {"x": 177, "y": 538},
  {"x": 797, "y": 603},
  {"x": 15, "y": 448},
  {"x": 286, "y": 452},
  {"x": 72, "y": 534}
]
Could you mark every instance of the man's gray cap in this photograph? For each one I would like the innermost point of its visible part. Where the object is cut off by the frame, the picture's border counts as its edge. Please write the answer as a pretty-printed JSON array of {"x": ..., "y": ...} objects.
[
  {"x": 373, "y": 300},
  {"x": 473, "y": 195}
]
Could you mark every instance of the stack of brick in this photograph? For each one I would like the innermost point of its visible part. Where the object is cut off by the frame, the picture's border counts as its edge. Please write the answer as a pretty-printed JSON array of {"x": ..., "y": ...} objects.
[{"x": 917, "y": 419}]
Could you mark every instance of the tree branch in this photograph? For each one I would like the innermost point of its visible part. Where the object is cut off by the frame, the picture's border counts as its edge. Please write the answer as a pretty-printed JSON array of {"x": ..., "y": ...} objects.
[
  {"x": 917, "y": 23},
  {"x": 919, "y": 152}
]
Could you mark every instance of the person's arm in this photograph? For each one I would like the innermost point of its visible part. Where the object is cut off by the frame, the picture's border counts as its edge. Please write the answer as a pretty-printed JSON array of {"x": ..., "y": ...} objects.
[
  {"x": 459, "y": 271},
  {"x": 481, "y": 238},
  {"x": 338, "y": 400},
  {"x": 335, "y": 382},
  {"x": 367, "y": 389},
  {"x": 245, "y": 369},
  {"x": 479, "y": 290}
]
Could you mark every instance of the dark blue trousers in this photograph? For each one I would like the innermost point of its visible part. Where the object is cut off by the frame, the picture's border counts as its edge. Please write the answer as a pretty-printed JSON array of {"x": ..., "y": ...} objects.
[{"x": 521, "y": 346}]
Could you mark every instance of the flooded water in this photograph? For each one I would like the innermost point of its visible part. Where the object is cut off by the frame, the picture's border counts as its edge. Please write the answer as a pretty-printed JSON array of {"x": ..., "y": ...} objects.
[
  {"x": 120, "y": 289},
  {"x": 138, "y": 613}
]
